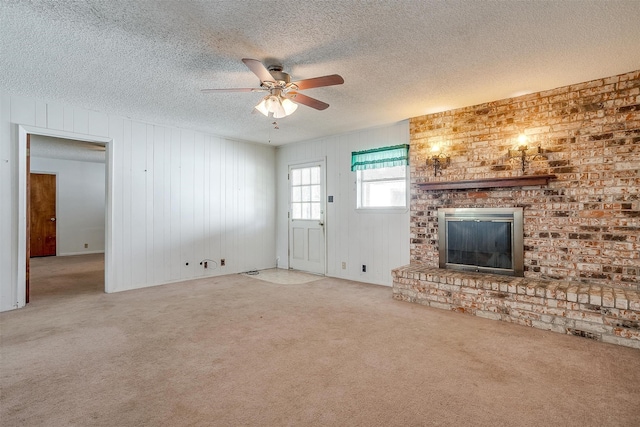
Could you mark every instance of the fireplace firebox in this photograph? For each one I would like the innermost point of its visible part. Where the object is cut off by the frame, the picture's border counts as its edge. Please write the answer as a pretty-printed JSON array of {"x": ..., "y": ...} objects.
[{"x": 486, "y": 240}]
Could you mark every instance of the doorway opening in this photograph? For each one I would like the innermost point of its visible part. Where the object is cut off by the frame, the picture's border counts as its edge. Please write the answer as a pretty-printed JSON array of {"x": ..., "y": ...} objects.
[
  {"x": 67, "y": 193},
  {"x": 80, "y": 223}
]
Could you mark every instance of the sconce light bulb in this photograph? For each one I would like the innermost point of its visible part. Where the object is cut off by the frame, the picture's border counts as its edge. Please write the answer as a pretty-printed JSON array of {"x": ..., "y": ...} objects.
[
  {"x": 522, "y": 140},
  {"x": 435, "y": 148}
]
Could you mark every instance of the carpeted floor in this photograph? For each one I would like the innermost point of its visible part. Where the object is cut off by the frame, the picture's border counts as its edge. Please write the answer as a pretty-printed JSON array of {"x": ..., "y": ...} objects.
[
  {"x": 283, "y": 277},
  {"x": 235, "y": 350}
]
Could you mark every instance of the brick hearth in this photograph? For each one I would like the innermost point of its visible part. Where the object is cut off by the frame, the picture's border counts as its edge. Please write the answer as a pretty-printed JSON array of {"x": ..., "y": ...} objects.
[{"x": 598, "y": 312}]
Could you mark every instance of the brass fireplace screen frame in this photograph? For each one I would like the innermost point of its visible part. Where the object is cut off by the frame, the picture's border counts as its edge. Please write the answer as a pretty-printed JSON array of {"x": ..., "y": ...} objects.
[{"x": 512, "y": 216}]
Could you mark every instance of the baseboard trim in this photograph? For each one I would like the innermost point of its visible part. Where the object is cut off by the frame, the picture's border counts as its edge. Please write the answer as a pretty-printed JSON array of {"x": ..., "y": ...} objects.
[{"x": 81, "y": 253}]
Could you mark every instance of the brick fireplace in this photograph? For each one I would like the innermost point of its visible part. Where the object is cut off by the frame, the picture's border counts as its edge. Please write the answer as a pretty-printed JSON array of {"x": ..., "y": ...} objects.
[{"x": 581, "y": 223}]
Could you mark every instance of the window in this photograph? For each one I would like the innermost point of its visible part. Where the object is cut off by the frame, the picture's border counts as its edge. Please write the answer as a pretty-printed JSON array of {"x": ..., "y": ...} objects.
[
  {"x": 381, "y": 177},
  {"x": 382, "y": 188},
  {"x": 306, "y": 193}
]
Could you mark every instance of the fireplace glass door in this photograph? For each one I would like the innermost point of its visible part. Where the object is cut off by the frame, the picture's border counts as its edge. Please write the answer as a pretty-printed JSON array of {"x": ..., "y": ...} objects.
[{"x": 480, "y": 243}]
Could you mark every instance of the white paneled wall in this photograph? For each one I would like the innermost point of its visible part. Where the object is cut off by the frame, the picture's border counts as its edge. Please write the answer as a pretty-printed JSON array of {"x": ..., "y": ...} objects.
[
  {"x": 378, "y": 240},
  {"x": 178, "y": 197},
  {"x": 8, "y": 257}
]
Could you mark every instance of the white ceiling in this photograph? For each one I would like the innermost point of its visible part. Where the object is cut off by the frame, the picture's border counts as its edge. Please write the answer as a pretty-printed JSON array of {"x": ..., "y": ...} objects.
[{"x": 148, "y": 60}]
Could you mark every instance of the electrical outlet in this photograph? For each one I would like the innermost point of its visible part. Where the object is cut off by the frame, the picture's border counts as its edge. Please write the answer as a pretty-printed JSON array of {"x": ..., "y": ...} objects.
[
  {"x": 86, "y": 245},
  {"x": 222, "y": 262},
  {"x": 344, "y": 265},
  {"x": 206, "y": 264},
  {"x": 364, "y": 268}
]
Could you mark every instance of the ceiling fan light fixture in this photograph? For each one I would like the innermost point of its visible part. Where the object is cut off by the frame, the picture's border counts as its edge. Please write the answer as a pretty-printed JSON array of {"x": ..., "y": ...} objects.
[
  {"x": 282, "y": 90},
  {"x": 276, "y": 105},
  {"x": 262, "y": 107},
  {"x": 289, "y": 106}
]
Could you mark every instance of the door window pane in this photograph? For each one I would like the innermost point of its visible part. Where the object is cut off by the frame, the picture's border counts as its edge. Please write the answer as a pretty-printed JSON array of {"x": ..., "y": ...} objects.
[
  {"x": 296, "y": 209},
  {"x": 306, "y": 211},
  {"x": 306, "y": 176},
  {"x": 315, "y": 193},
  {"x": 306, "y": 193},
  {"x": 296, "y": 177},
  {"x": 315, "y": 175},
  {"x": 315, "y": 211},
  {"x": 296, "y": 194}
]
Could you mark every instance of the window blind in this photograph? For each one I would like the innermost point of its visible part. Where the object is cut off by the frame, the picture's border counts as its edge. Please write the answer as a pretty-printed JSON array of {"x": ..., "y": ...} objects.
[{"x": 384, "y": 157}]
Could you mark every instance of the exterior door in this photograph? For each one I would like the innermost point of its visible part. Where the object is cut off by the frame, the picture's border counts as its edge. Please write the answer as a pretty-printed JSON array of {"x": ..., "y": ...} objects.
[
  {"x": 42, "y": 215},
  {"x": 306, "y": 218}
]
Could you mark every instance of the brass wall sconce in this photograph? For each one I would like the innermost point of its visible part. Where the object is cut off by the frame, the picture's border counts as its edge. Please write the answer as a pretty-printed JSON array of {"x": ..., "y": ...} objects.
[
  {"x": 525, "y": 153},
  {"x": 438, "y": 161}
]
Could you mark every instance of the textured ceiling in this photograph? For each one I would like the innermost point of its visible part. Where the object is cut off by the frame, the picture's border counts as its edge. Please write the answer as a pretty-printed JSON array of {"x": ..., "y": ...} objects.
[{"x": 148, "y": 60}]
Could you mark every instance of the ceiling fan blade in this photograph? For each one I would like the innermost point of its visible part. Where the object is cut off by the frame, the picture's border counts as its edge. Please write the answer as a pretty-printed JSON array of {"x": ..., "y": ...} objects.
[
  {"x": 237, "y": 89},
  {"x": 258, "y": 69},
  {"x": 331, "y": 80},
  {"x": 307, "y": 100}
]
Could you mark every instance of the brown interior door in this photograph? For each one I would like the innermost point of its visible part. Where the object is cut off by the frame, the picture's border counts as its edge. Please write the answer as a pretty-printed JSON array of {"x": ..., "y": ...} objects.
[{"x": 42, "y": 204}]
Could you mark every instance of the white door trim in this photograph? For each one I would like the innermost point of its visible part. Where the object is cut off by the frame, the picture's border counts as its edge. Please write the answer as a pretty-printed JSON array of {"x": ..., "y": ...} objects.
[{"x": 23, "y": 131}]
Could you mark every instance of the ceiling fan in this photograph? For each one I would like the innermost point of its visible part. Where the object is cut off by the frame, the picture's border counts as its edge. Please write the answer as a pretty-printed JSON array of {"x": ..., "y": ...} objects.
[{"x": 283, "y": 94}]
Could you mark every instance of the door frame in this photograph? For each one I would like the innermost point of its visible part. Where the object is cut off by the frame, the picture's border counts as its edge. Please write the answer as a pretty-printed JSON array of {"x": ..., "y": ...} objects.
[
  {"x": 323, "y": 205},
  {"x": 23, "y": 178}
]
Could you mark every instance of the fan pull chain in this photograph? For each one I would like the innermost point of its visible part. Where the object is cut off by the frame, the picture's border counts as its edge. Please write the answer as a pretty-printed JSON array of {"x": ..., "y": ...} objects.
[{"x": 275, "y": 126}]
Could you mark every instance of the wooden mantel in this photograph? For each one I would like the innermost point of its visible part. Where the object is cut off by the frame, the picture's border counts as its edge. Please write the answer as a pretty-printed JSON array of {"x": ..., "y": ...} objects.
[{"x": 514, "y": 181}]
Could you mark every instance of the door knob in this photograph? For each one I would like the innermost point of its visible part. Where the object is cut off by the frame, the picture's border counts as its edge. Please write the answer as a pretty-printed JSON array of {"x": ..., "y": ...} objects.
[
  {"x": 53, "y": 219},
  {"x": 321, "y": 223}
]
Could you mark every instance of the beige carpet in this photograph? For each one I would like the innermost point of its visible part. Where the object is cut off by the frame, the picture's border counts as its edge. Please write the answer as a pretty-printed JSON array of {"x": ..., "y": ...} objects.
[
  {"x": 235, "y": 350},
  {"x": 283, "y": 277}
]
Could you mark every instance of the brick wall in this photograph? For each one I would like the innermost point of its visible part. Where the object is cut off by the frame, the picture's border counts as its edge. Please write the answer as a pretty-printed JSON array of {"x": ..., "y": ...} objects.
[{"x": 583, "y": 226}]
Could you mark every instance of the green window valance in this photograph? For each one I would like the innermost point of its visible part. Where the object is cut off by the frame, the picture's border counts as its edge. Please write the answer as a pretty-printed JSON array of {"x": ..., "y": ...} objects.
[{"x": 384, "y": 157}]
